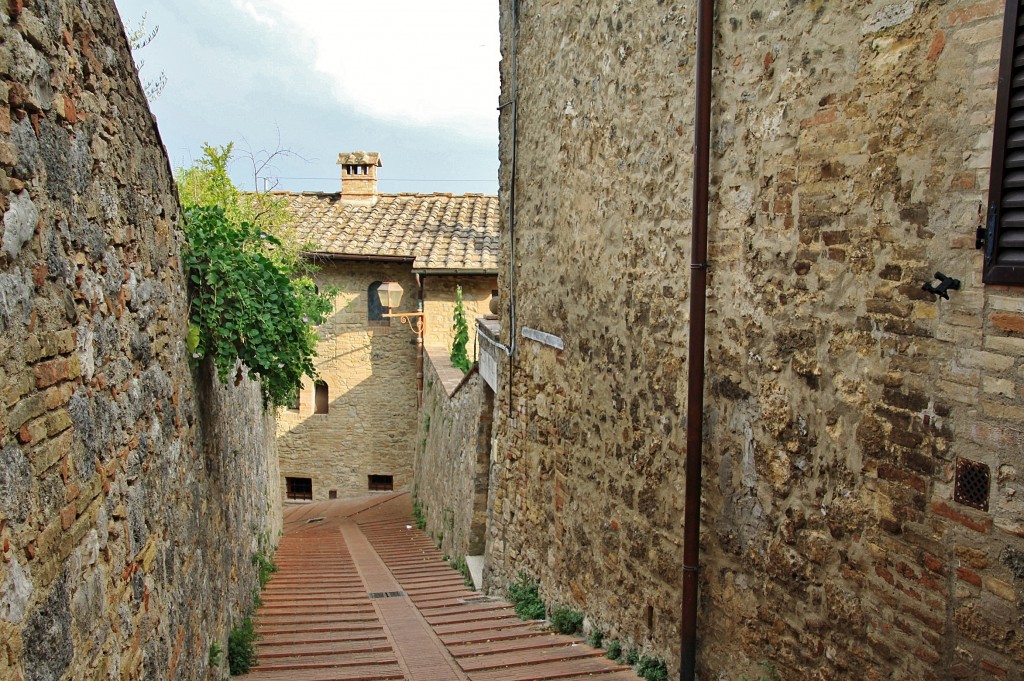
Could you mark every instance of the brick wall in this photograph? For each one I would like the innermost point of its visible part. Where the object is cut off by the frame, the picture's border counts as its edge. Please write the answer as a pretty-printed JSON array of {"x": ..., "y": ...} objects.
[
  {"x": 849, "y": 163},
  {"x": 453, "y": 455},
  {"x": 133, "y": 491},
  {"x": 370, "y": 372}
]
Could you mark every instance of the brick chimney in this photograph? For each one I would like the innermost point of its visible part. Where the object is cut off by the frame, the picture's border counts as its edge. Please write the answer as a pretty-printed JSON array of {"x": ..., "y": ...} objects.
[{"x": 359, "y": 175}]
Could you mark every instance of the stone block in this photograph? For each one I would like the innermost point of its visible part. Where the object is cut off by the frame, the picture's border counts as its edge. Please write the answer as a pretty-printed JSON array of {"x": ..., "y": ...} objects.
[
  {"x": 20, "y": 221},
  {"x": 998, "y": 386}
]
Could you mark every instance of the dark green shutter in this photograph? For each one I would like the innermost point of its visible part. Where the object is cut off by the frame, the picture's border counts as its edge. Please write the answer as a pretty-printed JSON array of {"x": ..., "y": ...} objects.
[{"x": 1004, "y": 244}]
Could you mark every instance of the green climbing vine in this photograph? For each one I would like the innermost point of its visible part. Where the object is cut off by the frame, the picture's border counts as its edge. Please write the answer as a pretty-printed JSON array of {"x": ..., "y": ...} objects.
[
  {"x": 459, "y": 356},
  {"x": 252, "y": 296},
  {"x": 245, "y": 306}
]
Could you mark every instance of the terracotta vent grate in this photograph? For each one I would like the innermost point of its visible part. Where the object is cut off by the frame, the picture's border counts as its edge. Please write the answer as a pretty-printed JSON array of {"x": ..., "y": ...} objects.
[
  {"x": 971, "y": 487},
  {"x": 387, "y": 594}
]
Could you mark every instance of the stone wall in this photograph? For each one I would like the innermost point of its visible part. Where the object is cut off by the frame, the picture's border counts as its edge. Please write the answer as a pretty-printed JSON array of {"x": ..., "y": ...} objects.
[
  {"x": 439, "y": 304},
  {"x": 850, "y": 154},
  {"x": 131, "y": 500},
  {"x": 370, "y": 372},
  {"x": 453, "y": 455}
]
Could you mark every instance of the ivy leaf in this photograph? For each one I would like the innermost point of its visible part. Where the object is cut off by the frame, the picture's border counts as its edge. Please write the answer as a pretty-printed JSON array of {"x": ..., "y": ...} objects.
[{"x": 192, "y": 338}]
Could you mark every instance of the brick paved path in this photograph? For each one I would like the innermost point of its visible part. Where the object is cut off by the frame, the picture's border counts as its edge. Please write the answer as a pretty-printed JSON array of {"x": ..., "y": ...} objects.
[{"x": 362, "y": 594}]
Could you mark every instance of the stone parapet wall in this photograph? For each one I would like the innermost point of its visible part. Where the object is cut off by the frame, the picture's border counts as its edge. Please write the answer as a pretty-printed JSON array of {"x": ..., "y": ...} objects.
[
  {"x": 133, "y": 491},
  {"x": 850, "y": 153},
  {"x": 453, "y": 455}
]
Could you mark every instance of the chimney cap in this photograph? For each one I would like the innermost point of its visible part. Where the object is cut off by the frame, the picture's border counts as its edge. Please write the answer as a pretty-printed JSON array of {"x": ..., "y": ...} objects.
[{"x": 359, "y": 158}]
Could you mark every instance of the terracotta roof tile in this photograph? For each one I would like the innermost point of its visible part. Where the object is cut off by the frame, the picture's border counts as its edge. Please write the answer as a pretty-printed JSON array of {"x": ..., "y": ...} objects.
[{"x": 439, "y": 231}]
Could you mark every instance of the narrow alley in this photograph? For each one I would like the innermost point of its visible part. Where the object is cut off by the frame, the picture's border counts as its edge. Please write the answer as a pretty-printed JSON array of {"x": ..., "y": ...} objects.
[{"x": 362, "y": 594}]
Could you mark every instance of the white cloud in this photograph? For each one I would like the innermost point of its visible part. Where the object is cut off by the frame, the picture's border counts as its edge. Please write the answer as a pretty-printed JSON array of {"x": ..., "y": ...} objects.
[{"x": 432, "y": 63}]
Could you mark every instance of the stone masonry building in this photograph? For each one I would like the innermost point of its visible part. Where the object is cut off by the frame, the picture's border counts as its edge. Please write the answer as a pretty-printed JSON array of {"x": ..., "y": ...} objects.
[
  {"x": 863, "y": 498},
  {"x": 354, "y": 429}
]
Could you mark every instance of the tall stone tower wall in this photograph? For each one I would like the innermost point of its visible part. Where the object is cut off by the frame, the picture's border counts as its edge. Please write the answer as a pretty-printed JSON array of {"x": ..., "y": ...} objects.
[{"x": 850, "y": 152}]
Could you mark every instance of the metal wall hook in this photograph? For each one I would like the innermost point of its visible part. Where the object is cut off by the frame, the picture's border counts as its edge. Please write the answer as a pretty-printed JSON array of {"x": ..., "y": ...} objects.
[{"x": 945, "y": 283}]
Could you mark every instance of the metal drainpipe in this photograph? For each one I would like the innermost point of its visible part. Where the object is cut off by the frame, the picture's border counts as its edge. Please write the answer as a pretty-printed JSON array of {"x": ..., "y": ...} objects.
[
  {"x": 698, "y": 314},
  {"x": 513, "y": 102}
]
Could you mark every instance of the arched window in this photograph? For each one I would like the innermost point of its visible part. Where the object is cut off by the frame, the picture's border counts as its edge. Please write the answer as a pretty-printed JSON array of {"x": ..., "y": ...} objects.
[
  {"x": 374, "y": 310},
  {"x": 323, "y": 398}
]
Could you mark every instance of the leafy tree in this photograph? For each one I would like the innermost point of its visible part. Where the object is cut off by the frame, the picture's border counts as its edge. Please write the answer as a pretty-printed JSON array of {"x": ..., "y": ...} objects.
[
  {"x": 252, "y": 297},
  {"x": 207, "y": 183},
  {"x": 459, "y": 356}
]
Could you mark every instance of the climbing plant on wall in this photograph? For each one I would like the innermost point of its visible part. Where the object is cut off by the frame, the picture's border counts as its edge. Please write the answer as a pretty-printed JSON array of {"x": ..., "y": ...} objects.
[
  {"x": 251, "y": 298},
  {"x": 459, "y": 356}
]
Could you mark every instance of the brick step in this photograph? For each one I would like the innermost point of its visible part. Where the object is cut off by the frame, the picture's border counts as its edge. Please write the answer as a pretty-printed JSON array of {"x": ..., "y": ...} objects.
[
  {"x": 452, "y": 578},
  {"x": 344, "y": 618},
  {"x": 306, "y": 649},
  {"x": 511, "y": 644},
  {"x": 457, "y": 607},
  {"x": 566, "y": 669},
  {"x": 326, "y": 661},
  {"x": 496, "y": 623},
  {"x": 456, "y": 618},
  {"x": 369, "y": 637},
  {"x": 350, "y": 597},
  {"x": 299, "y": 611},
  {"x": 454, "y": 587},
  {"x": 316, "y": 628},
  {"x": 313, "y": 596},
  {"x": 363, "y": 673},
  {"x": 513, "y": 632},
  {"x": 531, "y": 656}
]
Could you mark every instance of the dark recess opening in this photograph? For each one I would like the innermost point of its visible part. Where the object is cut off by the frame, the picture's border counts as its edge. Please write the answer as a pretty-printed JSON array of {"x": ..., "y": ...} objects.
[
  {"x": 333, "y": 494},
  {"x": 322, "y": 398},
  {"x": 381, "y": 483},
  {"x": 300, "y": 488}
]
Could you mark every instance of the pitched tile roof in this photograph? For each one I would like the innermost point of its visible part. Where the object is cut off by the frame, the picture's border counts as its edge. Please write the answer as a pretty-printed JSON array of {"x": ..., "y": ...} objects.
[{"x": 438, "y": 231}]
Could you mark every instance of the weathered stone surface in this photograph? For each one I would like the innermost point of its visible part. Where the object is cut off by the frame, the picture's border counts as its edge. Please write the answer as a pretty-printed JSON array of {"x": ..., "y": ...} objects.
[
  {"x": 133, "y": 490},
  {"x": 15, "y": 593},
  {"x": 49, "y": 648},
  {"x": 15, "y": 482},
  {"x": 849, "y": 162},
  {"x": 453, "y": 451},
  {"x": 19, "y": 223}
]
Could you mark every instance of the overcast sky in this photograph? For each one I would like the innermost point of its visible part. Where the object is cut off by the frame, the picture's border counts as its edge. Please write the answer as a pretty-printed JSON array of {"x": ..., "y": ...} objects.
[{"x": 416, "y": 80}]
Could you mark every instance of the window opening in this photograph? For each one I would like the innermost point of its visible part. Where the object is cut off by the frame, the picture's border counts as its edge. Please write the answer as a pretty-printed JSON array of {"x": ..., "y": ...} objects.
[
  {"x": 374, "y": 309},
  {"x": 381, "y": 483},
  {"x": 300, "y": 489},
  {"x": 323, "y": 399}
]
